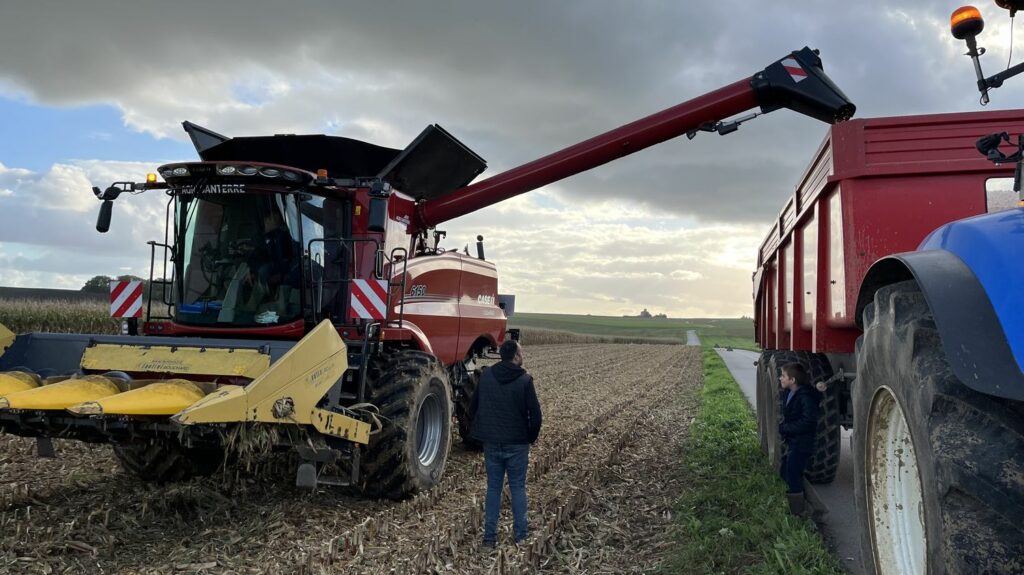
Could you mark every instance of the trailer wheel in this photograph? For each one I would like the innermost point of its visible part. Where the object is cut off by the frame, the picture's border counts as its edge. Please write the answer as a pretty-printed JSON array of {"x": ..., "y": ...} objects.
[
  {"x": 165, "y": 462},
  {"x": 767, "y": 407},
  {"x": 938, "y": 467},
  {"x": 409, "y": 454},
  {"x": 775, "y": 446},
  {"x": 824, "y": 462},
  {"x": 464, "y": 397}
]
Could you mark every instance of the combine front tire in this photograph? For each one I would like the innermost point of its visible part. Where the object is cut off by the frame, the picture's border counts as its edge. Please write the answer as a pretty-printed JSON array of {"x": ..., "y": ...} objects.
[
  {"x": 938, "y": 480},
  {"x": 165, "y": 462},
  {"x": 409, "y": 454},
  {"x": 462, "y": 404}
]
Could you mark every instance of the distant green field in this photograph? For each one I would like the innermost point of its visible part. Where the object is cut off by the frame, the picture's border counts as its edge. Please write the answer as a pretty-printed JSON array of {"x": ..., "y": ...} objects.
[{"x": 725, "y": 331}]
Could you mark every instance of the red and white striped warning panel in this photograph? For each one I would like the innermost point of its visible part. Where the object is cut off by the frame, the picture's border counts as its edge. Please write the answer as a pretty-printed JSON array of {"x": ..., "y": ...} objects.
[
  {"x": 369, "y": 299},
  {"x": 125, "y": 298},
  {"x": 796, "y": 72}
]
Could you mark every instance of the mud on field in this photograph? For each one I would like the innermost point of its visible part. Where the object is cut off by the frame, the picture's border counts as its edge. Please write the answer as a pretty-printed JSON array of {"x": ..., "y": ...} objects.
[{"x": 601, "y": 487}]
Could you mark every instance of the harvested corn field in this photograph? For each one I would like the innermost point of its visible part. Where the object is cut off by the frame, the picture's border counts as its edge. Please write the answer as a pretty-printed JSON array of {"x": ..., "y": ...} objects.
[{"x": 601, "y": 487}]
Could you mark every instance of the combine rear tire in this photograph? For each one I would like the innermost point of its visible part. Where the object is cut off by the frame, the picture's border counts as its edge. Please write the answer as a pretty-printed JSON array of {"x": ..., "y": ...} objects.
[
  {"x": 938, "y": 480},
  {"x": 409, "y": 454},
  {"x": 166, "y": 462}
]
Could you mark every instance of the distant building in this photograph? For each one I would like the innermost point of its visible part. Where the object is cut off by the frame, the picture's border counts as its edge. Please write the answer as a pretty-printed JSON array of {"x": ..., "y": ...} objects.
[{"x": 645, "y": 314}]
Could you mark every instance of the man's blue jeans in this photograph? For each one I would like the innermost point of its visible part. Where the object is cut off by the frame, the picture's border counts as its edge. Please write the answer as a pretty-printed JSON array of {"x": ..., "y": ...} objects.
[{"x": 502, "y": 458}]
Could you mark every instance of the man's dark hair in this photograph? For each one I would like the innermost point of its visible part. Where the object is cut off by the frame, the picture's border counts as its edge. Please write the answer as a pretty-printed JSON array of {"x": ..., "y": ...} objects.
[
  {"x": 508, "y": 350},
  {"x": 798, "y": 372}
]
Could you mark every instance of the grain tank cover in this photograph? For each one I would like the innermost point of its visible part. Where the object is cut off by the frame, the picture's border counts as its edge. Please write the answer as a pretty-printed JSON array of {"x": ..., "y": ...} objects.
[
  {"x": 341, "y": 157},
  {"x": 434, "y": 164}
]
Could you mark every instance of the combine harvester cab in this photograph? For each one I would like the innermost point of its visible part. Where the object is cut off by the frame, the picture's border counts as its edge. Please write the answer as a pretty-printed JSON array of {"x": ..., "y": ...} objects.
[{"x": 310, "y": 306}]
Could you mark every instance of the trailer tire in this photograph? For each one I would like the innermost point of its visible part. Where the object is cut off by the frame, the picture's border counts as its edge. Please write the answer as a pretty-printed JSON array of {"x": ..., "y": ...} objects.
[
  {"x": 408, "y": 455},
  {"x": 166, "y": 462},
  {"x": 824, "y": 462},
  {"x": 938, "y": 482},
  {"x": 767, "y": 407},
  {"x": 462, "y": 404}
]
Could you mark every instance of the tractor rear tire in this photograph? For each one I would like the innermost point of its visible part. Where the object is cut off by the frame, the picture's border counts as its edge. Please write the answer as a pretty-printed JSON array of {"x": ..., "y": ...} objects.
[
  {"x": 408, "y": 455},
  {"x": 166, "y": 462},
  {"x": 938, "y": 482},
  {"x": 462, "y": 404},
  {"x": 824, "y": 462}
]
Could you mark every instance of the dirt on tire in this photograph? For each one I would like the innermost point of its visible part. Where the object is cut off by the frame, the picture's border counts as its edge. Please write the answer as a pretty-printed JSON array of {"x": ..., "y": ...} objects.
[{"x": 970, "y": 499}]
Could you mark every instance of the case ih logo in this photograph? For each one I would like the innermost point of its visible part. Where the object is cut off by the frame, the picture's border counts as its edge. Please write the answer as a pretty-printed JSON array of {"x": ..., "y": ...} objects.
[
  {"x": 795, "y": 71},
  {"x": 369, "y": 299},
  {"x": 125, "y": 299}
]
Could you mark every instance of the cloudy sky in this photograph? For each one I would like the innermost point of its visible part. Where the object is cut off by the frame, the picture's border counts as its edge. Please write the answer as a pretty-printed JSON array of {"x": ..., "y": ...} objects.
[{"x": 93, "y": 92}]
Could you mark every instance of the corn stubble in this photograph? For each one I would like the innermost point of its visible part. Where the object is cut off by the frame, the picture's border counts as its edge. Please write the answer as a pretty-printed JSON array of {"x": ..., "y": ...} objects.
[{"x": 602, "y": 484}]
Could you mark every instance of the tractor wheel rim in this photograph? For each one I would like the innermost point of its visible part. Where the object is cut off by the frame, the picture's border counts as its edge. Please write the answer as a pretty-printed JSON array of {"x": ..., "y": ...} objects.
[
  {"x": 895, "y": 500},
  {"x": 430, "y": 424}
]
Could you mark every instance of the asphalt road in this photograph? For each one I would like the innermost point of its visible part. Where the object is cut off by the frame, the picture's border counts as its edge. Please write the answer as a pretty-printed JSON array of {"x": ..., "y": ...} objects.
[
  {"x": 691, "y": 338},
  {"x": 839, "y": 524}
]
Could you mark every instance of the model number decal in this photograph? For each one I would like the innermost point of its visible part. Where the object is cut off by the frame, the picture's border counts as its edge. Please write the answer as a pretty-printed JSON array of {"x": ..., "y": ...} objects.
[{"x": 418, "y": 290}]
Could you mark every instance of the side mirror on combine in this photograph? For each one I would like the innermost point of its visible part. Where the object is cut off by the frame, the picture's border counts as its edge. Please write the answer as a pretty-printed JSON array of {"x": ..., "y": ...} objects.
[
  {"x": 107, "y": 196},
  {"x": 103, "y": 221},
  {"x": 110, "y": 194}
]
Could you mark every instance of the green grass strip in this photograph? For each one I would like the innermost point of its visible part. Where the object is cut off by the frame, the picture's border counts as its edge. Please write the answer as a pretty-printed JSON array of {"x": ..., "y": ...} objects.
[{"x": 732, "y": 516}]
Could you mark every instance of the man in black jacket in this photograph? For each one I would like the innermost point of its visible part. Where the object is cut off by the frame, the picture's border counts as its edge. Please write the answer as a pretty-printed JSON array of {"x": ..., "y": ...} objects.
[
  {"x": 798, "y": 429},
  {"x": 506, "y": 419}
]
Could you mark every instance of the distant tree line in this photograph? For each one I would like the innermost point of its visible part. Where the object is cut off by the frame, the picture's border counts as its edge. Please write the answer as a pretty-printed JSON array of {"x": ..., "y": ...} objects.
[{"x": 647, "y": 315}]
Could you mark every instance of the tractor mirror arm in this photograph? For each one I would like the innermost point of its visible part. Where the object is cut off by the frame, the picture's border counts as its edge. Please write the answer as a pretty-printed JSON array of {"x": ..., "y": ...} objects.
[{"x": 996, "y": 80}]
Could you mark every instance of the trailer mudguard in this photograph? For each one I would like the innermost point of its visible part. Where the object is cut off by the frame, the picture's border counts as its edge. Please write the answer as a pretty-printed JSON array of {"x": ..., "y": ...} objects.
[{"x": 968, "y": 271}]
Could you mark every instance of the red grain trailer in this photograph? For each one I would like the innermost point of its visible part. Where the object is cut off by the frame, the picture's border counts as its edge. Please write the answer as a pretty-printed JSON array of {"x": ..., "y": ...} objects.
[{"x": 877, "y": 188}]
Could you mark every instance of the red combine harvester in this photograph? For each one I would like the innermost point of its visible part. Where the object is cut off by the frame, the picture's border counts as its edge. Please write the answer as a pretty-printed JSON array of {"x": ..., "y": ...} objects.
[{"x": 331, "y": 242}]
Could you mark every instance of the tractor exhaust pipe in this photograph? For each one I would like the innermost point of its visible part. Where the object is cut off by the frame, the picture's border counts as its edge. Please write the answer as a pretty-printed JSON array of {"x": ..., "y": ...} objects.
[{"x": 480, "y": 247}]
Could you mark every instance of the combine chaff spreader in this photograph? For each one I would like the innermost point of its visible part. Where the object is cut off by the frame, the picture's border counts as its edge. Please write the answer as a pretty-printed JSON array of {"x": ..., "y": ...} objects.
[{"x": 310, "y": 302}]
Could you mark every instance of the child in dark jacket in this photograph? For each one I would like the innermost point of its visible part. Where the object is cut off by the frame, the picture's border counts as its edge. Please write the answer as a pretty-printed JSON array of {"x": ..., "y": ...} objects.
[{"x": 797, "y": 429}]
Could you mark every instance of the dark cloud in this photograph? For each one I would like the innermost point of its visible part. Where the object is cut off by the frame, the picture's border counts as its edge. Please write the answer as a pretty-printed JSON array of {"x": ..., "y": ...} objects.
[{"x": 513, "y": 80}]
